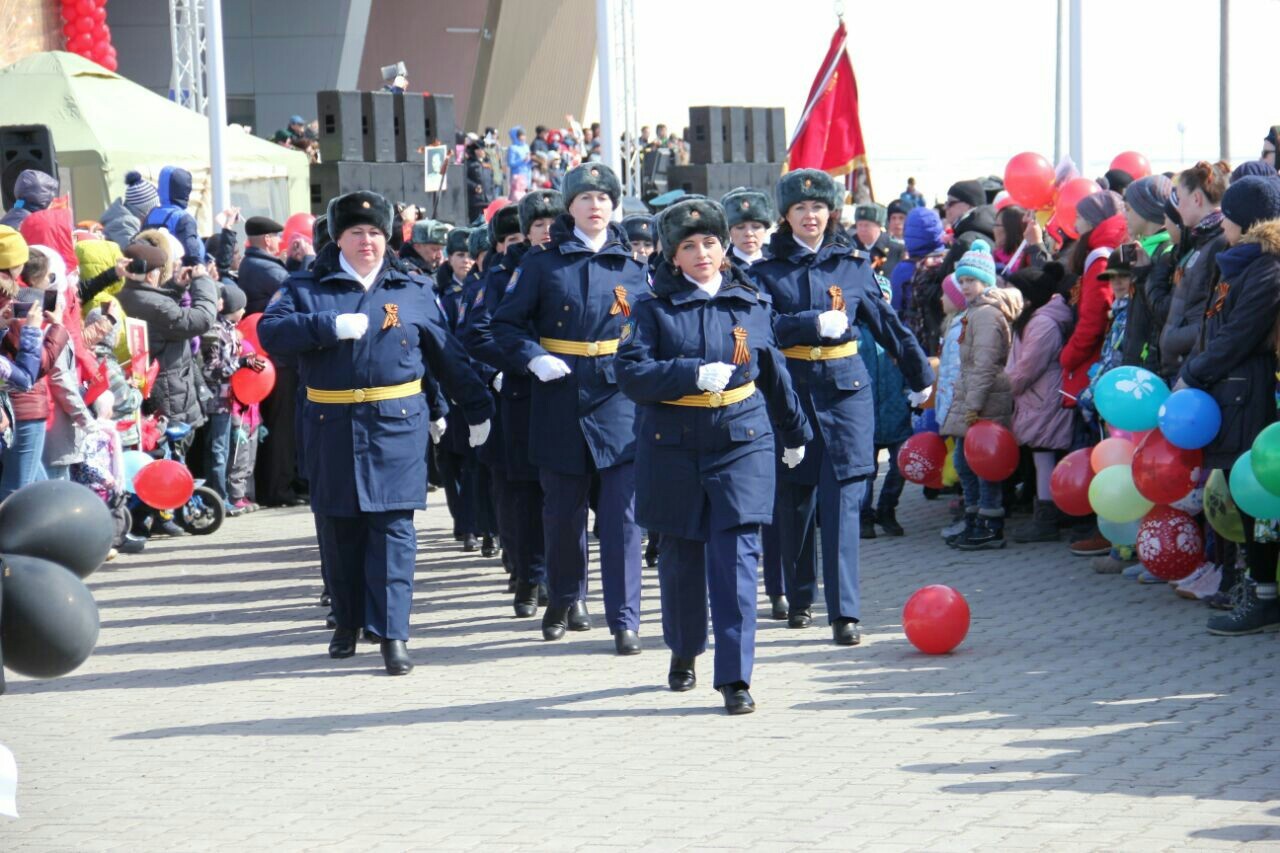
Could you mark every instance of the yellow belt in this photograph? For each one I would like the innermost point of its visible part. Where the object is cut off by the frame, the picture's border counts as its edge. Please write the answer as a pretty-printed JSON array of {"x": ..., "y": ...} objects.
[
  {"x": 366, "y": 395},
  {"x": 589, "y": 348},
  {"x": 822, "y": 353},
  {"x": 715, "y": 399}
]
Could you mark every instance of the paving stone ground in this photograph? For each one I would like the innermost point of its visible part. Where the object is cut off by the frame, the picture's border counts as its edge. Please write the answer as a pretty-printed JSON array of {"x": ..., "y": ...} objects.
[{"x": 1082, "y": 712}]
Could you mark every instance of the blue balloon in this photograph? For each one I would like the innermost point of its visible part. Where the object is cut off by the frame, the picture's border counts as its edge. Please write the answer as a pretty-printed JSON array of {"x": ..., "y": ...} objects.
[
  {"x": 1130, "y": 398},
  {"x": 1117, "y": 532},
  {"x": 134, "y": 461},
  {"x": 1190, "y": 418},
  {"x": 1250, "y": 497}
]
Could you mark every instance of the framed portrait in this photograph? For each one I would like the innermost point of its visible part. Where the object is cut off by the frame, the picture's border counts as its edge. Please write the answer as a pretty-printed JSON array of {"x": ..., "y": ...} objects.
[{"x": 436, "y": 163}]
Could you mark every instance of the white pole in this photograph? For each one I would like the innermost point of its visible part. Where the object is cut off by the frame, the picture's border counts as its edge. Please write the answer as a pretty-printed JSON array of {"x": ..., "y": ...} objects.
[
  {"x": 1057, "y": 81},
  {"x": 604, "y": 65},
  {"x": 1077, "y": 88},
  {"x": 219, "y": 179}
]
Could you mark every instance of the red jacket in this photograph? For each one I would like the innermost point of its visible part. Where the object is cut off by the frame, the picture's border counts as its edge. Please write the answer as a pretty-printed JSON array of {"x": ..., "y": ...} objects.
[{"x": 1093, "y": 305}]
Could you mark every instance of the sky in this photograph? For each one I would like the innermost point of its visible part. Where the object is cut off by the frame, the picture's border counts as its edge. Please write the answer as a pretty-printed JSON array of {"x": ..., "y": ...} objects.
[{"x": 952, "y": 90}]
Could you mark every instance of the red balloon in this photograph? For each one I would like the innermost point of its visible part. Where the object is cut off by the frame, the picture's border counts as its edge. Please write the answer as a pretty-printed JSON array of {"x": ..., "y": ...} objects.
[
  {"x": 991, "y": 451},
  {"x": 1170, "y": 544},
  {"x": 1164, "y": 473},
  {"x": 109, "y": 62},
  {"x": 251, "y": 386},
  {"x": 494, "y": 206},
  {"x": 99, "y": 15},
  {"x": 936, "y": 483},
  {"x": 86, "y": 7},
  {"x": 935, "y": 619},
  {"x": 1069, "y": 195},
  {"x": 81, "y": 44},
  {"x": 298, "y": 225},
  {"x": 1069, "y": 484},
  {"x": 164, "y": 484},
  {"x": 1132, "y": 162},
  {"x": 921, "y": 457},
  {"x": 1029, "y": 179},
  {"x": 248, "y": 329}
]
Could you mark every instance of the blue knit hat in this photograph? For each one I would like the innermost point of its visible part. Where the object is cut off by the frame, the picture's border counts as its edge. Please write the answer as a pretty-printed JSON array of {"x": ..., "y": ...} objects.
[
  {"x": 1251, "y": 200},
  {"x": 978, "y": 263},
  {"x": 922, "y": 232},
  {"x": 139, "y": 193}
]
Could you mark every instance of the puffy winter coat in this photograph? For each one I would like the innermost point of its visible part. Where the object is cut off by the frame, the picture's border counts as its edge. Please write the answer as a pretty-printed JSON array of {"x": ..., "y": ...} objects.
[
  {"x": 985, "y": 335},
  {"x": 119, "y": 224},
  {"x": 1149, "y": 307},
  {"x": 1092, "y": 301},
  {"x": 34, "y": 190},
  {"x": 889, "y": 390},
  {"x": 949, "y": 364},
  {"x": 171, "y": 214},
  {"x": 1236, "y": 361},
  {"x": 1193, "y": 281},
  {"x": 170, "y": 328},
  {"x": 1035, "y": 379}
]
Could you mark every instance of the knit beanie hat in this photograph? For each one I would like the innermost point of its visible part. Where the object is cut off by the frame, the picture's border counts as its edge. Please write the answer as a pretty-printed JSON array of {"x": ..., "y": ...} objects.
[
  {"x": 1095, "y": 208},
  {"x": 1171, "y": 212},
  {"x": 1146, "y": 197},
  {"x": 969, "y": 192},
  {"x": 922, "y": 232},
  {"x": 953, "y": 291},
  {"x": 13, "y": 249},
  {"x": 1251, "y": 200},
  {"x": 977, "y": 263},
  {"x": 1118, "y": 180},
  {"x": 1253, "y": 167},
  {"x": 233, "y": 299},
  {"x": 139, "y": 193}
]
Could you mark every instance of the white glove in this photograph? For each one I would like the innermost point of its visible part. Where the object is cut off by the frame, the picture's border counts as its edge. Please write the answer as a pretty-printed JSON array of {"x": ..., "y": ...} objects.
[
  {"x": 351, "y": 326},
  {"x": 436, "y": 430},
  {"x": 832, "y": 324},
  {"x": 497, "y": 382},
  {"x": 715, "y": 376},
  {"x": 548, "y": 368},
  {"x": 479, "y": 434},
  {"x": 919, "y": 398},
  {"x": 792, "y": 456}
]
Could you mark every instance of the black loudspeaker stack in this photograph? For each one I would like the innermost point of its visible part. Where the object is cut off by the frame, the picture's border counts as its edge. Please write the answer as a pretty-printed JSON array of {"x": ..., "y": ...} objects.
[
  {"x": 22, "y": 147},
  {"x": 374, "y": 141},
  {"x": 732, "y": 147}
]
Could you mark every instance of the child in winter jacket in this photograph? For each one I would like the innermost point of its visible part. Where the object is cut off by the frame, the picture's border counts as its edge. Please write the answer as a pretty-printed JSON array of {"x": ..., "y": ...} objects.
[
  {"x": 983, "y": 392},
  {"x": 221, "y": 353},
  {"x": 953, "y": 308}
]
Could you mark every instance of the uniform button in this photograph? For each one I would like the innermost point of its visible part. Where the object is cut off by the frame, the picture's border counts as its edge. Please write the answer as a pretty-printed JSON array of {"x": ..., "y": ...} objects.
[
  {"x": 566, "y": 307},
  {"x": 404, "y": 411},
  {"x": 559, "y": 324},
  {"x": 322, "y": 417},
  {"x": 403, "y": 342},
  {"x": 657, "y": 436},
  {"x": 751, "y": 432},
  {"x": 857, "y": 384}
]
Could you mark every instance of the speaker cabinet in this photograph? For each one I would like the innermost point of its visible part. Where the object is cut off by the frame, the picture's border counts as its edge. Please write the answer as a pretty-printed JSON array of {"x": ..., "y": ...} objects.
[
  {"x": 339, "y": 118},
  {"x": 411, "y": 127},
  {"x": 440, "y": 120},
  {"x": 706, "y": 135},
  {"x": 378, "y": 127}
]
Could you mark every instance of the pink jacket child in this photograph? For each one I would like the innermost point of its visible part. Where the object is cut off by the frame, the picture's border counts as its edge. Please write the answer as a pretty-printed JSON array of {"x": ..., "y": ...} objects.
[{"x": 1035, "y": 377}]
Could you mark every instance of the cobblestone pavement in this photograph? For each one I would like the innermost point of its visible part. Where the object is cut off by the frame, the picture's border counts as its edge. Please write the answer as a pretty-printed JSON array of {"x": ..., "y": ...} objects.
[{"x": 1083, "y": 712}]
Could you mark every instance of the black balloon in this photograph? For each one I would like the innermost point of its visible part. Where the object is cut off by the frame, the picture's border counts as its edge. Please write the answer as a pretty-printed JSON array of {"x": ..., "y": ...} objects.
[
  {"x": 60, "y": 521},
  {"x": 49, "y": 620}
]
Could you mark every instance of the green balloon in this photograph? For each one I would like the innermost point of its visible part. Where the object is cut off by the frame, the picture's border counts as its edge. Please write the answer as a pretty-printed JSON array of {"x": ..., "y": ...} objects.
[
  {"x": 1221, "y": 510},
  {"x": 1248, "y": 493},
  {"x": 1266, "y": 458},
  {"x": 1113, "y": 495}
]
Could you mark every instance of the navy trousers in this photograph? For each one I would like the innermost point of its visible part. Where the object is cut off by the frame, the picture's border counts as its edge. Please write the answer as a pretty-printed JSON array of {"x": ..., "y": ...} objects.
[
  {"x": 839, "y": 503},
  {"x": 725, "y": 566},
  {"x": 519, "y": 505},
  {"x": 458, "y": 472},
  {"x": 369, "y": 559},
  {"x": 564, "y": 519},
  {"x": 771, "y": 557}
]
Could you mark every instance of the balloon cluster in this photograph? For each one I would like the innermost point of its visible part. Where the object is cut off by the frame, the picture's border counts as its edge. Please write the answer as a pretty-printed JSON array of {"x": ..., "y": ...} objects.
[
  {"x": 1143, "y": 480},
  {"x": 52, "y": 535},
  {"x": 1032, "y": 182},
  {"x": 84, "y": 26}
]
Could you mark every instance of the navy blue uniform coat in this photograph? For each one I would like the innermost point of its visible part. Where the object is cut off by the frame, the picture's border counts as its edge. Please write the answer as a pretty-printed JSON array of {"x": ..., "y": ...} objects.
[
  {"x": 836, "y": 394},
  {"x": 688, "y": 458},
  {"x": 566, "y": 292},
  {"x": 368, "y": 457}
]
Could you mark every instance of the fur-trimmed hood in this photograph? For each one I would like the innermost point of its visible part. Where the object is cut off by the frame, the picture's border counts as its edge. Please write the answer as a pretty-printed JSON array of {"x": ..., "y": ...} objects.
[{"x": 1265, "y": 234}]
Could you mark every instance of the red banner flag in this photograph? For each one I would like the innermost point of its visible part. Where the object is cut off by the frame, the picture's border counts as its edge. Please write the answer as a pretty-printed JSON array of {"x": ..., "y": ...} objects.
[{"x": 829, "y": 135}]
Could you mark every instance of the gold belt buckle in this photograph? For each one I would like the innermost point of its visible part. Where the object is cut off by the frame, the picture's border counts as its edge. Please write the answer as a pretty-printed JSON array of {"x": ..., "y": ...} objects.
[
  {"x": 593, "y": 348},
  {"x": 815, "y": 353},
  {"x": 358, "y": 395},
  {"x": 716, "y": 399}
]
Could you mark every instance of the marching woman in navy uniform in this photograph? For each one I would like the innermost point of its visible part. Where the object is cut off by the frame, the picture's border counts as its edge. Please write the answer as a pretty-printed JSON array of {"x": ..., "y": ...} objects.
[
  {"x": 822, "y": 288},
  {"x": 699, "y": 357},
  {"x": 516, "y": 229},
  {"x": 750, "y": 215},
  {"x": 560, "y": 318},
  {"x": 366, "y": 334}
]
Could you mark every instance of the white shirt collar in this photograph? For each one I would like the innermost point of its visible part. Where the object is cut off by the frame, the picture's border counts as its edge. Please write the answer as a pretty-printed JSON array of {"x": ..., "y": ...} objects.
[
  {"x": 367, "y": 281},
  {"x": 711, "y": 288},
  {"x": 806, "y": 247},
  {"x": 749, "y": 259},
  {"x": 595, "y": 244}
]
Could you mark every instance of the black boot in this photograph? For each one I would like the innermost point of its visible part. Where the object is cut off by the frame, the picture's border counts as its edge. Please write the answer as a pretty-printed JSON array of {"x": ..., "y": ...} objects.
[
  {"x": 682, "y": 676},
  {"x": 1043, "y": 526},
  {"x": 343, "y": 644},
  {"x": 778, "y": 607},
  {"x": 651, "y": 551},
  {"x": 526, "y": 602},
  {"x": 845, "y": 632},
  {"x": 626, "y": 642},
  {"x": 970, "y": 524},
  {"x": 395, "y": 657},
  {"x": 987, "y": 534},
  {"x": 579, "y": 618},
  {"x": 868, "y": 527},
  {"x": 737, "y": 699},
  {"x": 554, "y": 622},
  {"x": 470, "y": 543},
  {"x": 888, "y": 521},
  {"x": 799, "y": 617},
  {"x": 487, "y": 548}
]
